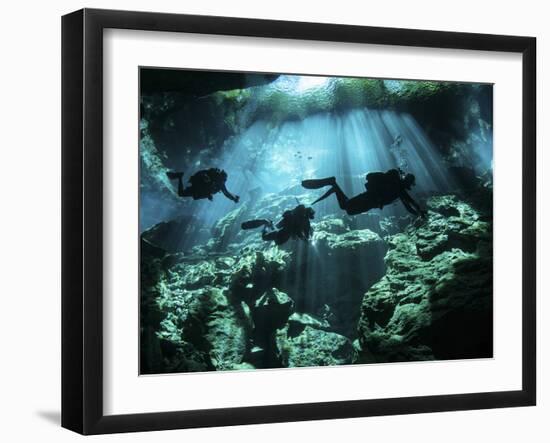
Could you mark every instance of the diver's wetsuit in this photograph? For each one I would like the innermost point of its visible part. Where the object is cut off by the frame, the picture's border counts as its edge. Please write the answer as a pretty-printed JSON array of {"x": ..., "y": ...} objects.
[
  {"x": 294, "y": 224},
  {"x": 383, "y": 188},
  {"x": 204, "y": 184}
]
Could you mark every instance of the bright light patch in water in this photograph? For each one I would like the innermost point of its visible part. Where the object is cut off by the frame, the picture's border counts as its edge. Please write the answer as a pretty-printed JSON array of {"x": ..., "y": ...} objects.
[
  {"x": 309, "y": 82},
  {"x": 298, "y": 84},
  {"x": 393, "y": 85}
]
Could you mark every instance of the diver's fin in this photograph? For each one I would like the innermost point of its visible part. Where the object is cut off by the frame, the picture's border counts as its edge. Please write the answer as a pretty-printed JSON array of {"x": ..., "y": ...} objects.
[
  {"x": 252, "y": 224},
  {"x": 318, "y": 183},
  {"x": 325, "y": 195},
  {"x": 174, "y": 175}
]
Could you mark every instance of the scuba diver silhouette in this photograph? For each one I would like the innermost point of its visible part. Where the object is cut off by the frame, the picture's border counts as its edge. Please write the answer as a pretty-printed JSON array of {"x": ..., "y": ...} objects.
[
  {"x": 204, "y": 184},
  {"x": 294, "y": 224},
  {"x": 383, "y": 188}
]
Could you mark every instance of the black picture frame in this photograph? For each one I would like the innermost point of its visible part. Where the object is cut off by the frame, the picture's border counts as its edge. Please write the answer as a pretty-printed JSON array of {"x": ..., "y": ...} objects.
[{"x": 82, "y": 218}]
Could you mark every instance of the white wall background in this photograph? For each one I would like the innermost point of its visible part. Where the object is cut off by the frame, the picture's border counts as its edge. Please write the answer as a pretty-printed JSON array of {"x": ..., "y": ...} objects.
[{"x": 30, "y": 222}]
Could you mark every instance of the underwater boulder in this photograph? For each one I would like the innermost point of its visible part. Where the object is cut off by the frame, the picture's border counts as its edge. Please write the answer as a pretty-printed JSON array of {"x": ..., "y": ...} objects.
[
  {"x": 189, "y": 324},
  {"x": 216, "y": 326},
  {"x": 195, "y": 275},
  {"x": 297, "y": 322},
  {"x": 453, "y": 224},
  {"x": 174, "y": 235},
  {"x": 160, "y": 355},
  {"x": 349, "y": 241},
  {"x": 330, "y": 225},
  {"x": 315, "y": 347},
  {"x": 256, "y": 272},
  {"x": 391, "y": 225},
  {"x": 270, "y": 313},
  {"x": 227, "y": 227},
  {"x": 272, "y": 310},
  {"x": 435, "y": 301}
]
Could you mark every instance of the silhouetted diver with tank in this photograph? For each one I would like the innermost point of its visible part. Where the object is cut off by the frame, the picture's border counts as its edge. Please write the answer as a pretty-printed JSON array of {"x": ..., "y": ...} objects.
[
  {"x": 204, "y": 184},
  {"x": 383, "y": 188},
  {"x": 294, "y": 224}
]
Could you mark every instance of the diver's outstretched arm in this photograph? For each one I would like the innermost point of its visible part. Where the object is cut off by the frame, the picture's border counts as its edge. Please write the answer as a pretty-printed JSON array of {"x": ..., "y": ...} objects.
[{"x": 228, "y": 194}]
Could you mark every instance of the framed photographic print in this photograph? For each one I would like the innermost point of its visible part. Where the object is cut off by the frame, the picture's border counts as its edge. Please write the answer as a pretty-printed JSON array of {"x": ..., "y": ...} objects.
[{"x": 271, "y": 221}]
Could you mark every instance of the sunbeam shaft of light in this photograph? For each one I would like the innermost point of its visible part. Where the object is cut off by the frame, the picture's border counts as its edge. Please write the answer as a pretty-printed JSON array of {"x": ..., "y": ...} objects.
[{"x": 276, "y": 158}]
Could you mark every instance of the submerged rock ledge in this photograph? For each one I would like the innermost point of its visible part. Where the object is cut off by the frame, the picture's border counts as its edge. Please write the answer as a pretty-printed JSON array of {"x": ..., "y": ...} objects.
[
  {"x": 437, "y": 290},
  {"x": 403, "y": 297}
]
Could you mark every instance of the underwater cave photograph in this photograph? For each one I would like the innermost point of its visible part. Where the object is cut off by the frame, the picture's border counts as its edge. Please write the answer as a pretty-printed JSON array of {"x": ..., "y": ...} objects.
[{"x": 304, "y": 221}]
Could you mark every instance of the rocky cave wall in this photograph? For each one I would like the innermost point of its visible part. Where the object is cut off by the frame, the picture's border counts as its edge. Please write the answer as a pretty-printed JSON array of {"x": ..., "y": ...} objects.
[{"x": 241, "y": 308}]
